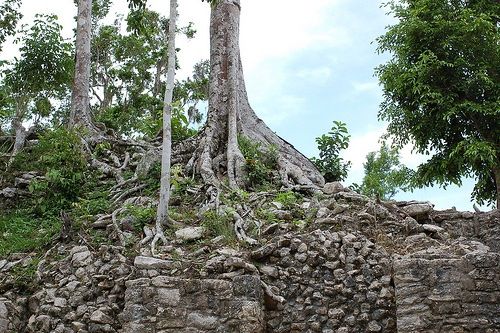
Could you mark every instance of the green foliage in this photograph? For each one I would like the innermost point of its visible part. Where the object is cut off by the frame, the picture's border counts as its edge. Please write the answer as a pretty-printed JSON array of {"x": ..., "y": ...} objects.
[
  {"x": 9, "y": 16},
  {"x": 261, "y": 162},
  {"x": 266, "y": 215},
  {"x": 384, "y": 174},
  {"x": 442, "y": 90},
  {"x": 179, "y": 124},
  {"x": 220, "y": 225},
  {"x": 329, "y": 163},
  {"x": 152, "y": 179},
  {"x": 128, "y": 77},
  {"x": 179, "y": 182},
  {"x": 287, "y": 199},
  {"x": 42, "y": 74},
  {"x": 59, "y": 157},
  {"x": 141, "y": 216},
  {"x": 25, "y": 274},
  {"x": 23, "y": 231},
  {"x": 91, "y": 203}
]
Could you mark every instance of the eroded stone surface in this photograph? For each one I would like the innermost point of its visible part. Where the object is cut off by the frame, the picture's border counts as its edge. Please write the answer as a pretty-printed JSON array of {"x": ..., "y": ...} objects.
[
  {"x": 192, "y": 305},
  {"x": 446, "y": 289}
]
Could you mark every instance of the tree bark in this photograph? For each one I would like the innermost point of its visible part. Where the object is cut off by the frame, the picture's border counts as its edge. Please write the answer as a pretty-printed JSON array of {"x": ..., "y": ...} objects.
[
  {"x": 230, "y": 114},
  {"x": 496, "y": 172},
  {"x": 162, "y": 211},
  {"x": 20, "y": 132},
  {"x": 80, "y": 111}
]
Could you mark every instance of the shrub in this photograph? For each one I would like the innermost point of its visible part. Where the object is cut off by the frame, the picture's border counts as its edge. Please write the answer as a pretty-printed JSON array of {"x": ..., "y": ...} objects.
[
  {"x": 142, "y": 216},
  {"x": 59, "y": 157},
  {"x": 288, "y": 199},
  {"x": 329, "y": 163},
  {"x": 261, "y": 162}
]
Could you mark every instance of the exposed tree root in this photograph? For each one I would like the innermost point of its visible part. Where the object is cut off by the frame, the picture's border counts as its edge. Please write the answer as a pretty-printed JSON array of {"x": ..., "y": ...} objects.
[
  {"x": 118, "y": 231},
  {"x": 269, "y": 292},
  {"x": 239, "y": 229},
  {"x": 159, "y": 235},
  {"x": 120, "y": 196}
]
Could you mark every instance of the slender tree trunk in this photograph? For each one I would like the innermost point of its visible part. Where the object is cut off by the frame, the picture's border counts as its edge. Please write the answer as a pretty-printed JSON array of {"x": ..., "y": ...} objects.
[
  {"x": 162, "y": 211},
  {"x": 496, "y": 172},
  {"x": 230, "y": 114},
  {"x": 80, "y": 111}
]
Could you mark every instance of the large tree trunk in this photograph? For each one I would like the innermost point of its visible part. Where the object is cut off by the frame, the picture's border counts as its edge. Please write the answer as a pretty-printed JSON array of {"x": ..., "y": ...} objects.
[
  {"x": 20, "y": 132},
  {"x": 80, "y": 111},
  {"x": 230, "y": 114}
]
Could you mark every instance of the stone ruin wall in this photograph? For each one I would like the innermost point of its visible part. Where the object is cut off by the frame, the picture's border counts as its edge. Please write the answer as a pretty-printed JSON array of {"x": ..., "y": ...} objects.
[
  {"x": 442, "y": 292},
  {"x": 172, "y": 305},
  {"x": 329, "y": 281}
]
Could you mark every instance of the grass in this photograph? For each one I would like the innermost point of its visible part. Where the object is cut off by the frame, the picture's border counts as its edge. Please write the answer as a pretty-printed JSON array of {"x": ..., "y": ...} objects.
[
  {"x": 220, "y": 225},
  {"x": 24, "y": 276},
  {"x": 21, "y": 231}
]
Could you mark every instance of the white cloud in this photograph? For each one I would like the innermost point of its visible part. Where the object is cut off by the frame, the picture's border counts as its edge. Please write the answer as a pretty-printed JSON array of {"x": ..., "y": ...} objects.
[
  {"x": 319, "y": 75},
  {"x": 289, "y": 105},
  {"x": 277, "y": 29},
  {"x": 363, "y": 87},
  {"x": 410, "y": 158}
]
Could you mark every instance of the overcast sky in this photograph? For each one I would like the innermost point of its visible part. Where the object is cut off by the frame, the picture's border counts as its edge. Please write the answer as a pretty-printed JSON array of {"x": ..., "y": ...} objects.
[{"x": 306, "y": 64}]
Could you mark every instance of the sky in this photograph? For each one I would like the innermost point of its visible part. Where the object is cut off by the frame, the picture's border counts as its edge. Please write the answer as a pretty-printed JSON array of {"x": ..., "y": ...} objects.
[{"x": 306, "y": 64}]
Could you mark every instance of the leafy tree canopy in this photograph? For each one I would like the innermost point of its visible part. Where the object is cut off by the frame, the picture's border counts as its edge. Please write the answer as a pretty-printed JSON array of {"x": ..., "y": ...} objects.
[
  {"x": 9, "y": 16},
  {"x": 128, "y": 72},
  {"x": 41, "y": 74},
  {"x": 442, "y": 89},
  {"x": 384, "y": 174}
]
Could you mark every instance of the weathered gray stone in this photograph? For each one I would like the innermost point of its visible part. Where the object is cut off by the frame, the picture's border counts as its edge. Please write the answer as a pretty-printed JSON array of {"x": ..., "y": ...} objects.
[
  {"x": 269, "y": 271},
  {"x": 81, "y": 259},
  {"x": 100, "y": 317},
  {"x": 190, "y": 234},
  {"x": 168, "y": 297},
  {"x": 332, "y": 188},
  {"x": 152, "y": 263},
  {"x": 418, "y": 211},
  {"x": 432, "y": 228}
]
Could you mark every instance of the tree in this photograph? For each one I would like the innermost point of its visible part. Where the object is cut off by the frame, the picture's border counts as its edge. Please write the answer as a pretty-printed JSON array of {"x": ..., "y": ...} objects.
[
  {"x": 384, "y": 174},
  {"x": 442, "y": 89},
  {"x": 215, "y": 151},
  {"x": 162, "y": 211},
  {"x": 9, "y": 16},
  {"x": 332, "y": 166},
  {"x": 80, "y": 115},
  {"x": 38, "y": 78},
  {"x": 127, "y": 78}
]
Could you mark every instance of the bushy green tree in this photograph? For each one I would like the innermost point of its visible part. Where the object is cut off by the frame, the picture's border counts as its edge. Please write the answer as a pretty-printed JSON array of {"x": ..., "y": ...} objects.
[
  {"x": 128, "y": 71},
  {"x": 384, "y": 174},
  {"x": 9, "y": 16},
  {"x": 34, "y": 83},
  {"x": 442, "y": 89},
  {"x": 330, "y": 164}
]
